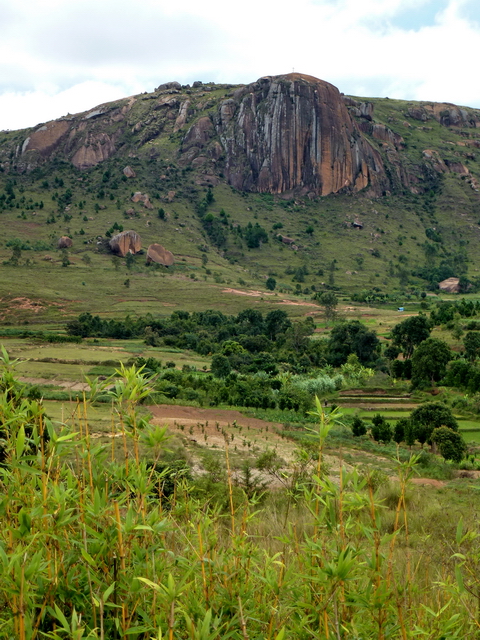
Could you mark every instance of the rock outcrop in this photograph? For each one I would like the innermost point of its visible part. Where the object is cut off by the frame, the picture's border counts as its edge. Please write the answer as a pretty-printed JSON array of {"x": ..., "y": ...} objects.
[
  {"x": 448, "y": 115},
  {"x": 294, "y": 133},
  {"x": 291, "y": 134},
  {"x": 143, "y": 198},
  {"x": 451, "y": 285},
  {"x": 64, "y": 242},
  {"x": 128, "y": 172},
  {"x": 125, "y": 242},
  {"x": 158, "y": 254}
]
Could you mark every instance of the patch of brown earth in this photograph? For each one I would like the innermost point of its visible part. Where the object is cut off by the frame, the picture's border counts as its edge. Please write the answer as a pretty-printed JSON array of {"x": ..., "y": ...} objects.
[
  {"x": 428, "y": 482},
  {"x": 26, "y": 303},
  {"x": 208, "y": 428},
  {"x": 298, "y": 304},
  {"x": 378, "y": 405},
  {"x": 73, "y": 386}
]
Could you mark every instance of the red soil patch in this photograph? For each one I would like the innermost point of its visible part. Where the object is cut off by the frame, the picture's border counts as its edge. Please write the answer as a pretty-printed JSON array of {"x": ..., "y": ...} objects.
[
  {"x": 192, "y": 415},
  {"x": 428, "y": 482},
  {"x": 206, "y": 428}
]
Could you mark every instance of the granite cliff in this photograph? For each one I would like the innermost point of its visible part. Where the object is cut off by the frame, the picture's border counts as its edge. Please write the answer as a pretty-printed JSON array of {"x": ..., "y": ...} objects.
[{"x": 291, "y": 134}]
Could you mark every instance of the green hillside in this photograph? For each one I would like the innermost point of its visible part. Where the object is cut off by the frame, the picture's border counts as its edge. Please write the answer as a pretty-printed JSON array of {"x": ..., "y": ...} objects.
[{"x": 402, "y": 243}]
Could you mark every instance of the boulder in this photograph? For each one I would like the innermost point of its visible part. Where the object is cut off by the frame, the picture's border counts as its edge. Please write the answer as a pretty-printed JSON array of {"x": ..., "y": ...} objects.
[
  {"x": 451, "y": 285},
  {"x": 170, "y": 102},
  {"x": 129, "y": 172},
  {"x": 366, "y": 110},
  {"x": 125, "y": 242},
  {"x": 160, "y": 255},
  {"x": 143, "y": 198},
  {"x": 64, "y": 242},
  {"x": 169, "y": 85}
]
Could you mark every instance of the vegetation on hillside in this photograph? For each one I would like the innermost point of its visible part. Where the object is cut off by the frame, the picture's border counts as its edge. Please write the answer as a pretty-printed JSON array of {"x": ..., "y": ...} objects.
[{"x": 98, "y": 546}]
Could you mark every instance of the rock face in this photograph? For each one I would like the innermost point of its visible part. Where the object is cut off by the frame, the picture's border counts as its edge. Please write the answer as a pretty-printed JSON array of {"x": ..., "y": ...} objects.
[
  {"x": 160, "y": 255},
  {"x": 448, "y": 115},
  {"x": 64, "y": 242},
  {"x": 452, "y": 285},
  {"x": 125, "y": 242},
  {"x": 294, "y": 132}
]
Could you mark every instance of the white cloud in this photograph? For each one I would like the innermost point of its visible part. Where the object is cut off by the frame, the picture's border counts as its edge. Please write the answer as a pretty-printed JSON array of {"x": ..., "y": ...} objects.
[{"x": 57, "y": 55}]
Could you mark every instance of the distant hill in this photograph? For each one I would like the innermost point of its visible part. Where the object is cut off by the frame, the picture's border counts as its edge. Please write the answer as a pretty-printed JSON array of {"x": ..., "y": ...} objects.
[{"x": 283, "y": 178}]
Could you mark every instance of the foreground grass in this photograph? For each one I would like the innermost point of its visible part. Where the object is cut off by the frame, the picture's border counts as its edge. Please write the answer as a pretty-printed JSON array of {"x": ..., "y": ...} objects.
[{"x": 94, "y": 544}]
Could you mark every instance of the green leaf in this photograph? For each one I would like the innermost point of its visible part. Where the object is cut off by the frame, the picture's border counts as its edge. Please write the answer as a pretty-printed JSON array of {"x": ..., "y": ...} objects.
[
  {"x": 108, "y": 592},
  {"x": 149, "y": 583},
  {"x": 87, "y": 557},
  {"x": 20, "y": 442},
  {"x": 59, "y": 615}
]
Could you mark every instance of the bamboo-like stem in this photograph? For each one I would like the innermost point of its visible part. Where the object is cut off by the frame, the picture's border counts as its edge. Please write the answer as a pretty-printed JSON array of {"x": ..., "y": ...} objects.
[
  {"x": 21, "y": 604},
  {"x": 325, "y": 624},
  {"x": 89, "y": 578},
  {"x": 230, "y": 487},
  {"x": 125, "y": 448},
  {"x": 275, "y": 603},
  {"x": 135, "y": 436},
  {"x": 202, "y": 563},
  {"x": 242, "y": 620},
  {"x": 113, "y": 435},
  {"x": 89, "y": 456},
  {"x": 171, "y": 620}
]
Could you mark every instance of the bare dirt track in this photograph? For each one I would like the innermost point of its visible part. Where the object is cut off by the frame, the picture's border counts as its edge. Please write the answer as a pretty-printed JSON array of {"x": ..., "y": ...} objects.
[{"x": 170, "y": 414}]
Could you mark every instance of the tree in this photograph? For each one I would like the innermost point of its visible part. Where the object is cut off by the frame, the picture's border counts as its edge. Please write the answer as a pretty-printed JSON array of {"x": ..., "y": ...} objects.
[
  {"x": 409, "y": 433},
  {"x": 430, "y": 416},
  {"x": 358, "y": 427},
  {"x": 401, "y": 426},
  {"x": 450, "y": 443},
  {"x": 410, "y": 333},
  {"x": 471, "y": 343},
  {"x": 220, "y": 366},
  {"x": 271, "y": 283},
  {"x": 329, "y": 302},
  {"x": 429, "y": 361},
  {"x": 276, "y": 323},
  {"x": 381, "y": 431},
  {"x": 352, "y": 337},
  {"x": 130, "y": 260}
]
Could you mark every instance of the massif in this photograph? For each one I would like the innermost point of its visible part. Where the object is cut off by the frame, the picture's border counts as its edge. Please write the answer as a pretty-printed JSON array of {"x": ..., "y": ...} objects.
[{"x": 292, "y": 134}]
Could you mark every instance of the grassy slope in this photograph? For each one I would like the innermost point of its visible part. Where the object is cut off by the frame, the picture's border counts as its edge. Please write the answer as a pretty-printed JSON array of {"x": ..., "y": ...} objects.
[{"x": 394, "y": 228}]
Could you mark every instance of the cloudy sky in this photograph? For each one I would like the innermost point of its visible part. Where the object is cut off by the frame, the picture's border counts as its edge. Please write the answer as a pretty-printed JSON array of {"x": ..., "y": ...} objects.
[{"x": 66, "y": 56}]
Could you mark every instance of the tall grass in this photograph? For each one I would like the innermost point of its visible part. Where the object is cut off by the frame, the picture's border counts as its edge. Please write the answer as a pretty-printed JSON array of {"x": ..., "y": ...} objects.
[{"x": 91, "y": 547}]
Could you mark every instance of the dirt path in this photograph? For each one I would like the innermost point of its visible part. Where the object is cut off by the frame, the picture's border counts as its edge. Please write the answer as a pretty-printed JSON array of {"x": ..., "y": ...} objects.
[
  {"x": 73, "y": 386},
  {"x": 377, "y": 406}
]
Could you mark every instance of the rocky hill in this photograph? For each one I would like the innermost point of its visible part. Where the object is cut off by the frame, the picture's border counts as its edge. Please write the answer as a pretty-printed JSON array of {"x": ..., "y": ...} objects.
[
  {"x": 286, "y": 163},
  {"x": 291, "y": 133}
]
